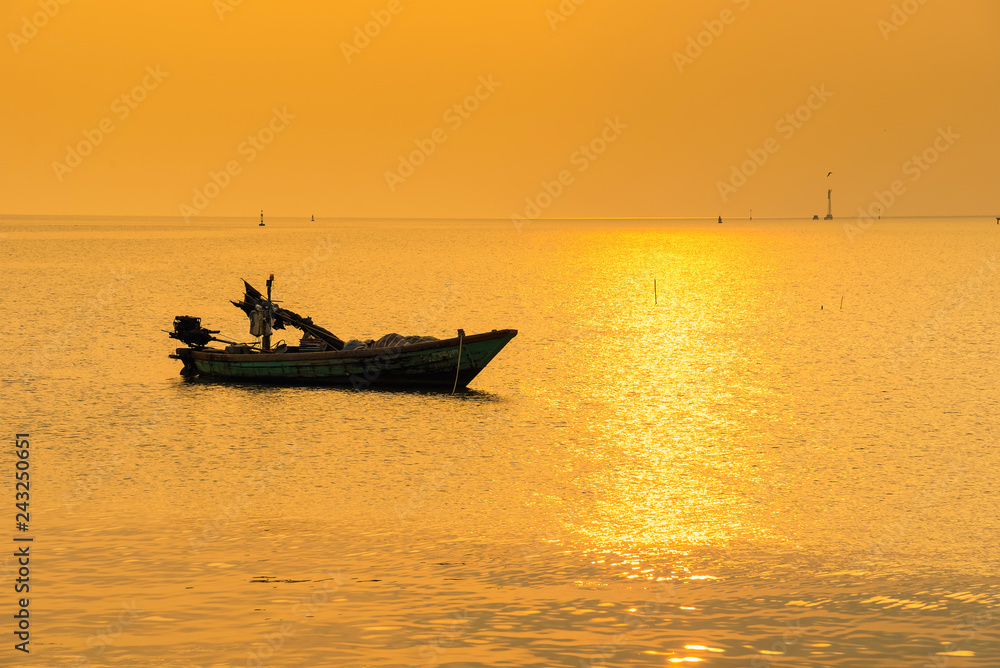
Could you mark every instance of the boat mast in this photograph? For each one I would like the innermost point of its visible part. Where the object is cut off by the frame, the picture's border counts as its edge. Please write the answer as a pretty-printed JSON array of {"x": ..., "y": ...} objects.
[{"x": 266, "y": 339}]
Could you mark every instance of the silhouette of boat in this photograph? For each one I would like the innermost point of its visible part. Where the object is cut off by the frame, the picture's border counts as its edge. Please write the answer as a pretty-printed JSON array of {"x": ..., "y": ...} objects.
[{"x": 321, "y": 357}]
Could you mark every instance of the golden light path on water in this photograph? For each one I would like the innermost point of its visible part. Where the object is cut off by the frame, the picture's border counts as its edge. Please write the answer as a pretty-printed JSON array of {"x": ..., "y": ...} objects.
[{"x": 674, "y": 392}]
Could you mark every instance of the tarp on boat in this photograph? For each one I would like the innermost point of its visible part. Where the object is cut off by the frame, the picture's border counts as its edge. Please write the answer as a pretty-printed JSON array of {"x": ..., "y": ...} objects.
[{"x": 388, "y": 341}]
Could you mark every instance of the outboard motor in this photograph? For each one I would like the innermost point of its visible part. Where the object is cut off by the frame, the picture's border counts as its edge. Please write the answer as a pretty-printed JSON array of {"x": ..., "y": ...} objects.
[{"x": 188, "y": 329}]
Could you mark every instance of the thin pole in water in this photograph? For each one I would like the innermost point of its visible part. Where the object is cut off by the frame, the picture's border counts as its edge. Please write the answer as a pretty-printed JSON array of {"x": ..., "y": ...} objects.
[
  {"x": 841, "y": 302},
  {"x": 461, "y": 335}
]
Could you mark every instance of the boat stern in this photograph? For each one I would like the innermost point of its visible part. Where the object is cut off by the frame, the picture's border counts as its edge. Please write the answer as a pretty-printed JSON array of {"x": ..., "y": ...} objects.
[{"x": 186, "y": 356}]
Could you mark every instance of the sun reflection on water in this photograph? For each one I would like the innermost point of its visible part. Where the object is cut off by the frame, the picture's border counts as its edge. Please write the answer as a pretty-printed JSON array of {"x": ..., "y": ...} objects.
[{"x": 679, "y": 419}]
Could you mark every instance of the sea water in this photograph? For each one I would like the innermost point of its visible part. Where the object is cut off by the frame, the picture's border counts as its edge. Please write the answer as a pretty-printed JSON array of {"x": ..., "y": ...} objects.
[{"x": 787, "y": 457}]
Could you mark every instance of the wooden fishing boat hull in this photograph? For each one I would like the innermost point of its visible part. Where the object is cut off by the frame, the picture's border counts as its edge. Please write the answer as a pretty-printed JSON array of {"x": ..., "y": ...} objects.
[{"x": 428, "y": 364}]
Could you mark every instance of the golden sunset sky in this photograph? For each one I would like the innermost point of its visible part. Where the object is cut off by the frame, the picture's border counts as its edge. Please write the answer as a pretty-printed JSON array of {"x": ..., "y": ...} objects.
[{"x": 183, "y": 86}]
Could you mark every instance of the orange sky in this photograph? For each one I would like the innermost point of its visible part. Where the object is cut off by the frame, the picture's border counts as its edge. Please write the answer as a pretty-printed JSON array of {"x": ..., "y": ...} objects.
[{"x": 673, "y": 123}]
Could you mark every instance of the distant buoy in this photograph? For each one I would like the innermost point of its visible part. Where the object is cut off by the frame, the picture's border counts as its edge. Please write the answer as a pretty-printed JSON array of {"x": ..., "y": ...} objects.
[{"x": 261, "y": 218}]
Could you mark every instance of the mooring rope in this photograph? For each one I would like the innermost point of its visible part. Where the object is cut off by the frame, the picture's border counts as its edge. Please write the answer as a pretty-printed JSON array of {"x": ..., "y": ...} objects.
[{"x": 461, "y": 335}]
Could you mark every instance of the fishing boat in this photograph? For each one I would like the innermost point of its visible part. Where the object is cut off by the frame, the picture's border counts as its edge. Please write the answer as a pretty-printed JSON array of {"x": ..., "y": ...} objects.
[{"x": 322, "y": 357}]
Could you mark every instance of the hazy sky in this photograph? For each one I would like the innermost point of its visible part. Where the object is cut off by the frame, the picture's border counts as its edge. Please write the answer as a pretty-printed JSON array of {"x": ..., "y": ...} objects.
[{"x": 585, "y": 107}]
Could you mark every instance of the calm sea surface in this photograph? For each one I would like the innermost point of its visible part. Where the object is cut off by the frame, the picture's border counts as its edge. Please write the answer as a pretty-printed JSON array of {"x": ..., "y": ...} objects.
[{"x": 746, "y": 473}]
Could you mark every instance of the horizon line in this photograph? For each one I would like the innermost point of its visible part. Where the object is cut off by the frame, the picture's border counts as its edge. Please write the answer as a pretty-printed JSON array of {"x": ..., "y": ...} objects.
[{"x": 254, "y": 218}]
